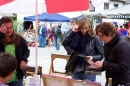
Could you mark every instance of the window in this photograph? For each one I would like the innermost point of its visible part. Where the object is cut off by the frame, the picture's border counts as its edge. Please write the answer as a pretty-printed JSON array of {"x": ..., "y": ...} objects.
[
  {"x": 91, "y": 8},
  {"x": 106, "y": 6},
  {"x": 115, "y": 5}
]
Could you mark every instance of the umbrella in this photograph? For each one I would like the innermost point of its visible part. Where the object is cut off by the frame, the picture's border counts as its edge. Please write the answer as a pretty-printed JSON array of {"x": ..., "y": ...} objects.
[
  {"x": 37, "y": 7},
  {"x": 7, "y": 14},
  {"x": 2, "y": 2},
  {"x": 22, "y": 6},
  {"x": 48, "y": 18}
]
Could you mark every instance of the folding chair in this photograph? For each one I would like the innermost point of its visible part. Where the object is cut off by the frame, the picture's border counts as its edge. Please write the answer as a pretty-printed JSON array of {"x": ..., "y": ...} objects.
[
  {"x": 54, "y": 80},
  {"x": 53, "y": 57}
]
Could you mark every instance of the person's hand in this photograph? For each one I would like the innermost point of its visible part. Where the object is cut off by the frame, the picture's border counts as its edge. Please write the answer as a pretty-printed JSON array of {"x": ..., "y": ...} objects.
[
  {"x": 90, "y": 57},
  {"x": 90, "y": 60},
  {"x": 3, "y": 28},
  {"x": 75, "y": 28},
  {"x": 98, "y": 64},
  {"x": 23, "y": 65}
]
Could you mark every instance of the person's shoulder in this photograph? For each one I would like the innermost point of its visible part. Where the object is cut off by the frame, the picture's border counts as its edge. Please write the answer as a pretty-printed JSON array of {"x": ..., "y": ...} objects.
[
  {"x": 122, "y": 42},
  {"x": 125, "y": 37},
  {"x": 95, "y": 37}
]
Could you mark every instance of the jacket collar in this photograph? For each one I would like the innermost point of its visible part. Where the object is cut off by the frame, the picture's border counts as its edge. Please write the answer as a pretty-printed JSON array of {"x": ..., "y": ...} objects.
[{"x": 115, "y": 39}]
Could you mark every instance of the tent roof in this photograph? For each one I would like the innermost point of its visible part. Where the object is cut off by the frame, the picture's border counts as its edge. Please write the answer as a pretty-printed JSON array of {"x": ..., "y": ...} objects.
[
  {"x": 124, "y": 10},
  {"x": 48, "y": 18}
]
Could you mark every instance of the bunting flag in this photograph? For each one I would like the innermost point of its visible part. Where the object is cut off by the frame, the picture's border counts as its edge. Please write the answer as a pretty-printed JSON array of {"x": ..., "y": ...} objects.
[
  {"x": 97, "y": 2},
  {"x": 2, "y": 2},
  {"x": 57, "y": 6}
]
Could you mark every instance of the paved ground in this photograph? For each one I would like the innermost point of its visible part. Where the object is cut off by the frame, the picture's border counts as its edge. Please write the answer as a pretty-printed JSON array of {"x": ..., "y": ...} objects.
[{"x": 59, "y": 64}]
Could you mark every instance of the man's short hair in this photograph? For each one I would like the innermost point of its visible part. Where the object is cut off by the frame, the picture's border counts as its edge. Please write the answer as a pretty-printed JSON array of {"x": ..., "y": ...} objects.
[
  {"x": 8, "y": 64},
  {"x": 74, "y": 20},
  {"x": 106, "y": 28}
]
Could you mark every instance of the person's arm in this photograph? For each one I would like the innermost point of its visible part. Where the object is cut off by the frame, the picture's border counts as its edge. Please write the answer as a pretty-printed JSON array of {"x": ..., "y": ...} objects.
[
  {"x": 66, "y": 41},
  {"x": 122, "y": 65},
  {"x": 3, "y": 30},
  {"x": 67, "y": 38},
  {"x": 44, "y": 31},
  {"x": 99, "y": 49},
  {"x": 26, "y": 51},
  {"x": 53, "y": 30},
  {"x": 1, "y": 36}
]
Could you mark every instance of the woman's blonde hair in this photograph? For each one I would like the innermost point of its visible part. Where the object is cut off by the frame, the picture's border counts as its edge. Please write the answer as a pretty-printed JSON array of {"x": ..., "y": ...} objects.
[{"x": 83, "y": 21}]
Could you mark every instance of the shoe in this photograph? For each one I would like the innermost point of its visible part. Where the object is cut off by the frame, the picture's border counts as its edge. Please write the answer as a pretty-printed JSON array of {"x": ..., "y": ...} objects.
[{"x": 56, "y": 50}]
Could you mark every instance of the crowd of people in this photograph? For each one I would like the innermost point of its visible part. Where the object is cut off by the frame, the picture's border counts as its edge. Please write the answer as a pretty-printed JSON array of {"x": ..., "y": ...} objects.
[
  {"x": 106, "y": 43},
  {"x": 104, "y": 46}
]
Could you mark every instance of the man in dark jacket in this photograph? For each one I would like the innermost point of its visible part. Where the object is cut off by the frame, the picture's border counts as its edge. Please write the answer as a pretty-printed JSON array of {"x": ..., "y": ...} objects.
[
  {"x": 116, "y": 53},
  {"x": 56, "y": 32},
  {"x": 73, "y": 23}
]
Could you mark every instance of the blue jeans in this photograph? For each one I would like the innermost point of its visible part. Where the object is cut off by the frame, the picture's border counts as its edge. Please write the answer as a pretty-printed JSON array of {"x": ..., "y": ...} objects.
[
  {"x": 57, "y": 43},
  {"x": 83, "y": 76},
  {"x": 16, "y": 83},
  {"x": 42, "y": 41}
]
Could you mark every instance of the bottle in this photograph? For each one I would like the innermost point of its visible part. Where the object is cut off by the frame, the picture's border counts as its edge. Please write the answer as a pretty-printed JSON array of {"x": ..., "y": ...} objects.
[{"x": 109, "y": 82}]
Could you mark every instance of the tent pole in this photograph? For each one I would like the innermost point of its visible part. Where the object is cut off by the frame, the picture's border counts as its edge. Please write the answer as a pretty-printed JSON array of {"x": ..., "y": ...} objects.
[{"x": 36, "y": 45}]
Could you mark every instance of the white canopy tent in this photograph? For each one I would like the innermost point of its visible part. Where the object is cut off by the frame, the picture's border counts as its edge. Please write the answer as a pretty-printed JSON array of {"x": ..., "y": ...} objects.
[
  {"x": 23, "y": 6},
  {"x": 7, "y": 14},
  {"x": 26, "y": 7},
  {"x": 124, "y": 10}
]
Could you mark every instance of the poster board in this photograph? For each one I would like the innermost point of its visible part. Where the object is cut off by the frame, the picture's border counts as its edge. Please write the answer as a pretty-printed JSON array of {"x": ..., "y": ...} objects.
[
  {"x": 54, "y": 80},
  {"x": 82, "y": 83}
]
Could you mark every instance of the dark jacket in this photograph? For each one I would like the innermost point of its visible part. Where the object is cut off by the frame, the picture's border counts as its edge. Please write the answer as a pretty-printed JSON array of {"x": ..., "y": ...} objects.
[
  {"x": 127, "y": 39},
  {"x": 94, "y": 47},
  {"x": 117, "y": 61},
  {"x": 44, "y": 32},
  {"x": 56, "y": 33},
  {"x": 67, "y": 48},
  {"x": 21, "y": 53}
]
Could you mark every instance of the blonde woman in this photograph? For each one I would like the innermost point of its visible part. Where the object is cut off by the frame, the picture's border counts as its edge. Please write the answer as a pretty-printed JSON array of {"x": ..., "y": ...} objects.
[{"x": 83, "y": 41}]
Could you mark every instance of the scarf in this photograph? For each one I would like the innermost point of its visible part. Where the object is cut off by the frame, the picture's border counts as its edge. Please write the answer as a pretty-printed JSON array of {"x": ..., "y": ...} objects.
[{"x": 78, "y": 44}]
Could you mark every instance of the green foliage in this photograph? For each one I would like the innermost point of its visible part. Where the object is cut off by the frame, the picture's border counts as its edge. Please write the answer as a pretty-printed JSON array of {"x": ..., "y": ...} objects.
[
  {"x": 15, "y": 24},
  {"x": 15, "y": 17}
]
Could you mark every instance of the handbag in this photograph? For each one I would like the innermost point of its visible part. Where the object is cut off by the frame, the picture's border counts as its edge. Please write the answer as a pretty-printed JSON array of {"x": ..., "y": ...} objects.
[{"x": 70, "y": 64}]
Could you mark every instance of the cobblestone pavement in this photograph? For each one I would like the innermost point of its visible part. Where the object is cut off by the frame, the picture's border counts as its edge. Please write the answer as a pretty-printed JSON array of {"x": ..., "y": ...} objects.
[{"x": 59, "y": 64}]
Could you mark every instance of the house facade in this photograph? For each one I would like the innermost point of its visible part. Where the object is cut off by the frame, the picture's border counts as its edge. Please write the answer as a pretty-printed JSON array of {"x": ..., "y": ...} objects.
[{"x": 110, "y": 4}]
